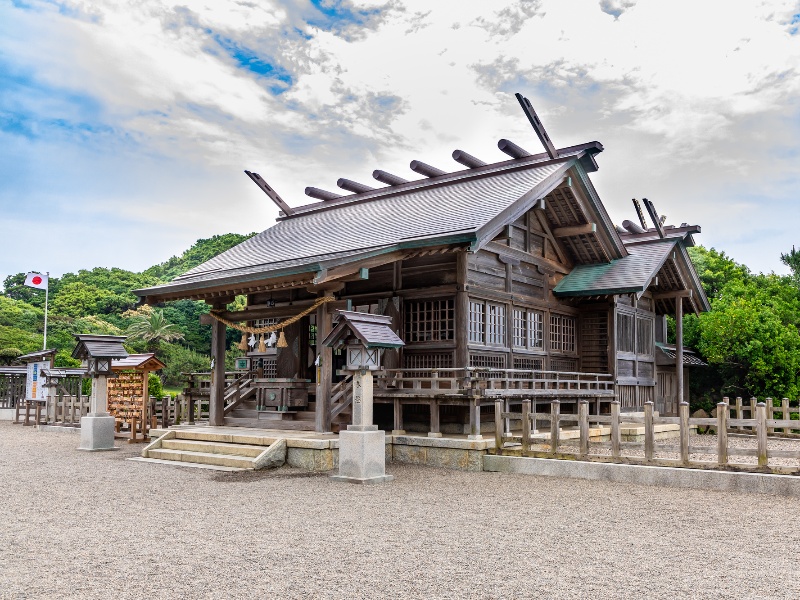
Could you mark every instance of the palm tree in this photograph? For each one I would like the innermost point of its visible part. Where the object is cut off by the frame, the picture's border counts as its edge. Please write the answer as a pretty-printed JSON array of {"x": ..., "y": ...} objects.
[{"x": 154, "y": 329}]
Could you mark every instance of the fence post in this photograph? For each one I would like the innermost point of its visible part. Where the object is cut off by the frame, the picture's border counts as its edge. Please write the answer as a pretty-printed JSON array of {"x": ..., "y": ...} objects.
[
  {"x": 555, "y": 409},
  {"x": 526, "y": 425},
  {"x": 770, "y": 406},
  {"x": 739, "y": 412},
  {"x": 615, "y": 428},
  {"x": 684, "y": 413},
  {"x": 649, "y": 442},
  {"x": 753, "y": 402},
  {"x": 498, "y": 425},
  {"x": 583, "y": 425},
  {"x": 722, "y": 434},
  {"x": 785, "y": 414},
  {"x": 761, "y": 432}
]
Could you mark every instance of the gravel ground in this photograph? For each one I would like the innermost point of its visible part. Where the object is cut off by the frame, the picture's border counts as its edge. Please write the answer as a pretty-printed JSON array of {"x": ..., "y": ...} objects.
[{"x": 81, "y": 525}]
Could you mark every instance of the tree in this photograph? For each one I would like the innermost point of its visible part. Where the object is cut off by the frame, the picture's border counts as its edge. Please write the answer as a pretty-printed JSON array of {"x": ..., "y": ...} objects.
[
  {"x": 154, "y": 329},
  {"x": 792, "y": 260},
  {"x": 9, "y": 355}
]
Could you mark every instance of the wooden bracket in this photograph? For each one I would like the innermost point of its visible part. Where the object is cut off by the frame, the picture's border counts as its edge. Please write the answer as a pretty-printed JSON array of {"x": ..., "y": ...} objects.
[{"x": 585, "y": 229}]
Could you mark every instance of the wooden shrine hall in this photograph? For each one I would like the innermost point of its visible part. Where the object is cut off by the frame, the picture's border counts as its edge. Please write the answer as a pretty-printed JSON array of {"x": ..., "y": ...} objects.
[{"x": 505, "y": 280}]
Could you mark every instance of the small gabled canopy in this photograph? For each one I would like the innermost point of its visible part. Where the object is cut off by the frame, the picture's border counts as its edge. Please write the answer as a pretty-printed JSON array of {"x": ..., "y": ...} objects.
[
  {"x": 373, "y": 331},
  {"x": 667, "y": 352},
  {"x": 37, "y": 356},
  {"x": 139, "y": 362},
  {"x": 662, "y": 265},
  {"x": 99, "y": 346}
]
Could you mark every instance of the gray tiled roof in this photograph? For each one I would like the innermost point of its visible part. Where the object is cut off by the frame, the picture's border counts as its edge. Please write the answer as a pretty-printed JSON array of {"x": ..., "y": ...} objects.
[
  {"x": 99, "y": 346},
  {"x": 449, "y": 209}
]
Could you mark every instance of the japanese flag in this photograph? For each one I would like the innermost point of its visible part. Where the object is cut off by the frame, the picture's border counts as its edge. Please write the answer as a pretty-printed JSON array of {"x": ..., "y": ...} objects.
[{"x": 36, "y": 280}]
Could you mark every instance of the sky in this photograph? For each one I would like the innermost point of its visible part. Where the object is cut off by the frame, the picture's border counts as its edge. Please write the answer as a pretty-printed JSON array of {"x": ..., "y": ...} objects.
[{"x": 125, "y": 127}]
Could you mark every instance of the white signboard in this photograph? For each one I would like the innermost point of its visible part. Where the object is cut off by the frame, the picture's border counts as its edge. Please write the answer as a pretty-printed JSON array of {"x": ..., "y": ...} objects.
[{"x": 34, "y": 386}]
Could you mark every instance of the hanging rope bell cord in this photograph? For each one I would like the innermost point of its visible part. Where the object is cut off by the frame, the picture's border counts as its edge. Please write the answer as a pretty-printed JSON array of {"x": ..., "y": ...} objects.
[{"x": 276, "y": 326}]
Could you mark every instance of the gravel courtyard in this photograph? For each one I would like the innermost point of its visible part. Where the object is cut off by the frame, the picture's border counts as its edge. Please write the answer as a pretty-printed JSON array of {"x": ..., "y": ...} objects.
[{"x": 81, "y": 525}]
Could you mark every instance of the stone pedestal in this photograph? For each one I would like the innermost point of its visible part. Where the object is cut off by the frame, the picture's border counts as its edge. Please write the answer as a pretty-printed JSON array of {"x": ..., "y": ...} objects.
[
  {"x": 97, "y": 432},
  {"x": 362, "y": 455}
]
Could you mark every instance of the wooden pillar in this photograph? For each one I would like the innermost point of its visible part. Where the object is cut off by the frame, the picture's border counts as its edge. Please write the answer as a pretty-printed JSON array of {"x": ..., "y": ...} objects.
[
  {"x": 679, "y": 347},
  {"x": 216, "y": 406},
  {"x": 322, "y": 421},
  {"x": 462, "y": 312}
]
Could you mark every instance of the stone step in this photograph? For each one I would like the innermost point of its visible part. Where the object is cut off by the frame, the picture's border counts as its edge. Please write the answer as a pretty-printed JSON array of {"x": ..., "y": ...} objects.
[
  {"x": 213, "y": 447},
  {"x": 205, "y": 458}
]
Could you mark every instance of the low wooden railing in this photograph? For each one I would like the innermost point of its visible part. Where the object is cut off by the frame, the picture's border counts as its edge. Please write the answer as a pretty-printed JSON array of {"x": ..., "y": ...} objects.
[
  {"x": 646, "y": 452},
  {"x": 489, "y": 382}
]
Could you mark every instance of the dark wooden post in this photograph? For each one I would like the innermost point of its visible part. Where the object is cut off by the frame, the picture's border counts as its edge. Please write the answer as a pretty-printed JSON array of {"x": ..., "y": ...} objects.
[
  {"x": 679, "y": 347},
  {"x": 434, "y": 432},
  {"x": 398, "y": 418},
  {"x": 462, "y": 311},
  {"x": 322, "y": 420},
  {"x": 216, "y": 406}
]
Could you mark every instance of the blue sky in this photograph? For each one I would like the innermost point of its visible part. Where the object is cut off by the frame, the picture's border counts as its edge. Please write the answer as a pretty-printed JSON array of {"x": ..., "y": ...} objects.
[{"x": 125, "y": 127}]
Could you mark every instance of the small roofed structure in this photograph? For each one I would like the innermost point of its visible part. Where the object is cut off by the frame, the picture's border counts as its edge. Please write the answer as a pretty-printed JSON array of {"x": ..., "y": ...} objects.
[
  {"x": 129, "y": 396},
  {"x": 364, "y": 336}
]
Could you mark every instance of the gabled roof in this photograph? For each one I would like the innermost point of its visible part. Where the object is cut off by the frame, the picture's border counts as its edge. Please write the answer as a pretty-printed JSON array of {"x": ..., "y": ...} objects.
[
  {"x": 466, "y": 207},
  {"x": 37, "y": 356},
  {"x": 147, "y": 361},
  {"x": 99, "y": 346},
  {"x": 660, "y": 265},
  {"x": 669, "y": 351},
  {"x": 628, "y": 275},
  {"x": 374, "y": 331}
]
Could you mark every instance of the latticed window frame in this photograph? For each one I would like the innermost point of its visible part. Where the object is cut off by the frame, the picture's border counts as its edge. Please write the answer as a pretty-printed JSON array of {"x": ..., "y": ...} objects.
[
  {"x": 563, "y": 333},
  {"x": 528, "y": 328},
  {"x": 487, "y": 323},
  {"x": 437, "y": 323}
]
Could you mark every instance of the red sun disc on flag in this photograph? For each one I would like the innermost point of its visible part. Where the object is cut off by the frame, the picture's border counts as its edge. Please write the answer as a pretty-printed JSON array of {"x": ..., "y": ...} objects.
[{"x": 36, "y": 280}]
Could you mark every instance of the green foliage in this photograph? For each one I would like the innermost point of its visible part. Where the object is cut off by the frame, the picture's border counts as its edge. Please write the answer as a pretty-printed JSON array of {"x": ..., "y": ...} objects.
[
  {"x": 181, "y": 360},
  {"x": 716, "y": 269},
  {"x": 154, "y": 387},
  {"x": 9, "y": 355},
  {"x": 792, "y": 260},
  {"x": 154, "y": 329}
]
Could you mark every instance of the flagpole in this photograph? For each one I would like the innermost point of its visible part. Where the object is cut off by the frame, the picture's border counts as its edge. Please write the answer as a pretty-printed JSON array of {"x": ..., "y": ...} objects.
[{"x": 46, "y": 296}]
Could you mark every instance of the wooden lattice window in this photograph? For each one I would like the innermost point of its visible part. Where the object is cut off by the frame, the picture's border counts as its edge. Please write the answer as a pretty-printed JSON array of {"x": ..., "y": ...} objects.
[
  {"x": 428, "y": 360},
  {"x": 491, "y": 361},
  {"x": 430, "y": 320},
  {"x": 528, "y": 329},
  {"x": 626, "y": 338},
  {"x": 562, "y": 333},
  {"x": 476, "y": 317},
  {"x": 487, "y": 323},
  {"x": 644, "y": 336},
  {"x": 529, "y": 363},
  {"x": 568, "y": 365}
]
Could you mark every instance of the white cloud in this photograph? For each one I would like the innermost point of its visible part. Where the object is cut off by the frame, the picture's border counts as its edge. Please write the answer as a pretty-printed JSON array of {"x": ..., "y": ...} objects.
[{"x": 694, "y": 102}]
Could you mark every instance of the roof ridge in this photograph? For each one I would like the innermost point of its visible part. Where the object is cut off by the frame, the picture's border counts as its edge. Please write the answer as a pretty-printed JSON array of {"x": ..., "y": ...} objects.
[{"x": 533, "y": 160}]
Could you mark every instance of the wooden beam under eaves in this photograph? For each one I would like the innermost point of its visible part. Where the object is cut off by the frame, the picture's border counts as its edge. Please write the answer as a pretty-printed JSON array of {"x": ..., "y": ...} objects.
[{"x": 584, "y": 229}]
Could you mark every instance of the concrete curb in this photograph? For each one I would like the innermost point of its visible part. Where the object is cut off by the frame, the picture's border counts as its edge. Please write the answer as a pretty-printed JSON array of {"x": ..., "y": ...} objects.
[{"x": 729, "y": 481}]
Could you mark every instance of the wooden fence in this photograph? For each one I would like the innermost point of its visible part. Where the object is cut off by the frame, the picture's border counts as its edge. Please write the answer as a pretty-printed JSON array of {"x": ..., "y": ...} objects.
[{"x": 617, "y": 450}]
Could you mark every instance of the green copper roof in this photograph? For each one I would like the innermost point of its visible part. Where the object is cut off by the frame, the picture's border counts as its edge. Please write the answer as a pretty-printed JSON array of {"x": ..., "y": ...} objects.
[{"x": 627, "y": 275}]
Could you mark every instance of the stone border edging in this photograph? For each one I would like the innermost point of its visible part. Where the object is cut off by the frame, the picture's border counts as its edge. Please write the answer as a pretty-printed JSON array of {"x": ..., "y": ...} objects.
[{"x": 728, "y": 481}]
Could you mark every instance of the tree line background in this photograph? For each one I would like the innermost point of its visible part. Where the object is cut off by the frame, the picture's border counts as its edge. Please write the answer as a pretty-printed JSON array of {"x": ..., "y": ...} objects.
[{"x": 750, "y": 339}]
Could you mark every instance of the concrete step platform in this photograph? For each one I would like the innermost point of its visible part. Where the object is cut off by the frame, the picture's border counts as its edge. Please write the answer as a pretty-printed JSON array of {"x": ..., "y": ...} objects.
[
  {"x": 213, "y": 447},
  {"x": 174, "y": 463}
]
